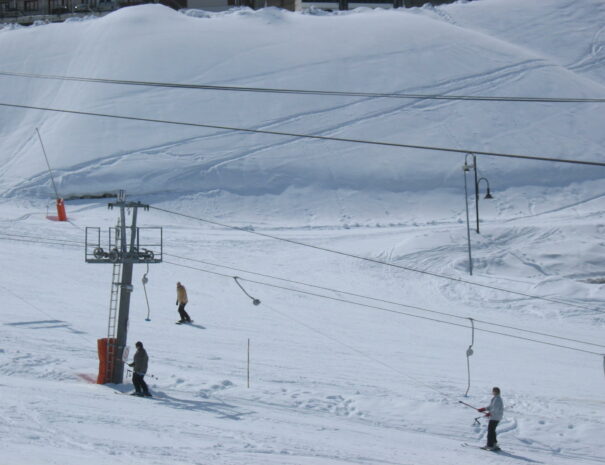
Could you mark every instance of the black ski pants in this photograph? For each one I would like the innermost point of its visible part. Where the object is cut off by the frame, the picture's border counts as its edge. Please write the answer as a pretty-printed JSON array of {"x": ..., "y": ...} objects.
[
  {"x": 139, "y": 383},
  {"x": 491, "y": 433},
  {"x": 184, "y": 315}
]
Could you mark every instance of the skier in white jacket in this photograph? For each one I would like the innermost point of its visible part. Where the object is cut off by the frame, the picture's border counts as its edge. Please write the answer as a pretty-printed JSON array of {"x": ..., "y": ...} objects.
[{"x": 495, "y": 411}]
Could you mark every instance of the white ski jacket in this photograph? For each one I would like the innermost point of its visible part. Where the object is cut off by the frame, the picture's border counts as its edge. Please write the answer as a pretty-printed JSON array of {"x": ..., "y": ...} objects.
[{"x": 495, "y": 408}]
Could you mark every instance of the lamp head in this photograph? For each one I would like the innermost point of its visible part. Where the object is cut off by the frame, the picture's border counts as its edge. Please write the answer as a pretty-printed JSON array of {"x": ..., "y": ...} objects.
[{"x": 488, "y": 195}]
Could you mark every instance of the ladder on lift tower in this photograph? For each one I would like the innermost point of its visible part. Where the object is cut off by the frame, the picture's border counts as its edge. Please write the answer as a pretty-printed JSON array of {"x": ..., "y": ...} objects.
[{"x": 112, "y": 324}]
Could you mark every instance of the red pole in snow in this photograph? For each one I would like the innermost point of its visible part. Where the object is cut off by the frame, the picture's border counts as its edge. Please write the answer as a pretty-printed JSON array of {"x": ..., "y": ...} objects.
[{"x": 62, "y": 216}]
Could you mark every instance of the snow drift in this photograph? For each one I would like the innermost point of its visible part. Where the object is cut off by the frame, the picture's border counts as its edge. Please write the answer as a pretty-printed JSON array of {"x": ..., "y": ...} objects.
[{"x": 446, "y": 50}]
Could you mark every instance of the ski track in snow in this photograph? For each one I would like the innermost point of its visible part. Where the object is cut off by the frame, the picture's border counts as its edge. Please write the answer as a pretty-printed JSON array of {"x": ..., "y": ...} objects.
[
  {"x": 467, "y": 84},
  {"x": 330, "y": 383}
]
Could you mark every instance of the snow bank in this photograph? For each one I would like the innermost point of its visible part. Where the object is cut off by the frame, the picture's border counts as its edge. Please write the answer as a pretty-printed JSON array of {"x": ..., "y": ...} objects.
[{"x": 446, "y": 50}]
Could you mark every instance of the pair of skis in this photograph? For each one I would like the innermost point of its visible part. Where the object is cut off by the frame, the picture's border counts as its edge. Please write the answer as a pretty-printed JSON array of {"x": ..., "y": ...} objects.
[
  {"x": 496, "y": 449},
  {"x": 134, "y": 394},
  {"x": 466, "y": 444}
]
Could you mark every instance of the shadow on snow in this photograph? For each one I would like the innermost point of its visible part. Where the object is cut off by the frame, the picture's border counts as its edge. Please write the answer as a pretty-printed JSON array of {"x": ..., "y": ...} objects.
[
  {"x": 221, "y": 409},
  {"x": 46, "y": 324}
]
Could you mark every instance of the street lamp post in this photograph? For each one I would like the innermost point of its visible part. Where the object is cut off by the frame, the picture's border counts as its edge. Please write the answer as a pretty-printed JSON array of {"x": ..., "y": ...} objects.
[
  {"x": 477, "y": 181},
  {"x": 487, "y": 196},
  {"x": 466, "y": 168},
  {"x": 476, "y": 190}
]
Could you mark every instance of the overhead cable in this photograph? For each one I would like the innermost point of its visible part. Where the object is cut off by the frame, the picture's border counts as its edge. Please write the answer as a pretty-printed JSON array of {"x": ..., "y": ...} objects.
[
  {"x": 415, "y": 307},
  {"x": 309, "y": 136},
  {"x": 45, "y": 239},
  {"x": 45, "y": 313},
  {"x": 35, "y": 241},
  {"x": 337, "y": 299},
  {"x": 374, "y": 306},
  {"x": 379, "y": 262},
  {"x": 360, "y": 352},
  {"x": 333, "y": 93},
  {"x": 52, "y": 241}
]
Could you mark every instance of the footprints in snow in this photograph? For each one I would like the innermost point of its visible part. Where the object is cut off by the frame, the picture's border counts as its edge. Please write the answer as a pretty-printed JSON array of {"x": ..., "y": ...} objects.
[
  {"x": 39, "y": 366},
  {"x": 335, "y": 404},
  {"x": 206, "y": 393}
]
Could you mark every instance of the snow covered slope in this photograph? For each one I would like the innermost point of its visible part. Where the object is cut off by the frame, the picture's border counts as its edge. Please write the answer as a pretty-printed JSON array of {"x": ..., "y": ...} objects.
[
  {"x": 352, "y": 362},
  {"x": 411, "y": 51}
]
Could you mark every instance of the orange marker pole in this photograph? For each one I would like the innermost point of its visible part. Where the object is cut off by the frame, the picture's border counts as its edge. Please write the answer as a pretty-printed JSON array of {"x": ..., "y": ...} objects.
[{"x": 62, "y": 216}]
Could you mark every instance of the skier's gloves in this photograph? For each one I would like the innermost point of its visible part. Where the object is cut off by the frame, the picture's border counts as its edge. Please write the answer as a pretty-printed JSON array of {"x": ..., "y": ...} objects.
[
  {"x": 488, "y": 414},
  {"x": 482, "y": 409}
]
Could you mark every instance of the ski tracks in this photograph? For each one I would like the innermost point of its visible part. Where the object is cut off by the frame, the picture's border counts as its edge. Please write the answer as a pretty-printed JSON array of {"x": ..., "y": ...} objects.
[
  {"x": 332, "y": 123},
  {"x": 594, "y": 58}
]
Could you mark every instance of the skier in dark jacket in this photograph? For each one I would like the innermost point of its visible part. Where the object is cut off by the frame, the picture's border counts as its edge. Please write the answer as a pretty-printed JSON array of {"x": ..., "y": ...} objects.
[
  {"x": 495, "y": 411},
  {"x": 139, "y": 365}
]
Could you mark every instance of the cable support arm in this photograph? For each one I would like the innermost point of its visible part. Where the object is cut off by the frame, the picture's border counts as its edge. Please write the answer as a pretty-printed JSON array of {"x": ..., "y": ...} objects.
[
  {"x": 469, "y": 352},
  {"x": 254, "y": 300},
  {"x": 145, "y": 280}
]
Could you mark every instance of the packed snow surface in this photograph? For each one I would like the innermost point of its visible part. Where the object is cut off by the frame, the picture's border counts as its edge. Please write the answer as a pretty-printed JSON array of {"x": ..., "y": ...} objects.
[{"x": 346, "y": 360}]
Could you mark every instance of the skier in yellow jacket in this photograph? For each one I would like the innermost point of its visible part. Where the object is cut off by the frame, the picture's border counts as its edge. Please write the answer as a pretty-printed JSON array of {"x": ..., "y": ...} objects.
[{"x": 181, "y": 301}]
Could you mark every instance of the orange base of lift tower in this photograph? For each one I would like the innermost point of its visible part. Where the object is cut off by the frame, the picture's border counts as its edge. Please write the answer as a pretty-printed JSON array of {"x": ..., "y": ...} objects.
[
  {"x": 61, "y": 215},
  {"x": 106, "y": 348}
]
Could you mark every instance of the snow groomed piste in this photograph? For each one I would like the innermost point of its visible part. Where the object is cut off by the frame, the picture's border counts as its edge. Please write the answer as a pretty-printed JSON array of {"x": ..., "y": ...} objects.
[{"x": 359, "y": 351}]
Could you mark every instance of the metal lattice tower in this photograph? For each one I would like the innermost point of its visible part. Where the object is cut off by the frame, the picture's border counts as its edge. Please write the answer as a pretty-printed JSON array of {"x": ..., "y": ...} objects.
[{"x": 127, "y": 245}]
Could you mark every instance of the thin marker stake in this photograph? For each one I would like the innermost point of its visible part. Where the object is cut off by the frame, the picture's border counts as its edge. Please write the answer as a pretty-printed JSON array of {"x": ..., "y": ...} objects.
[{"x": 48, "y": 164}]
